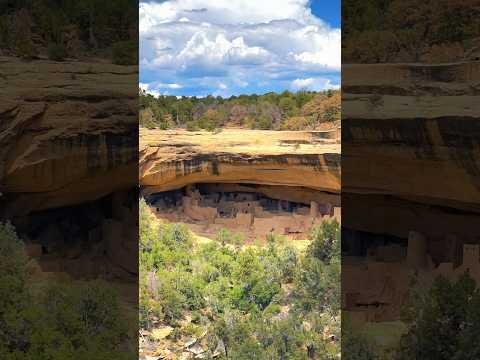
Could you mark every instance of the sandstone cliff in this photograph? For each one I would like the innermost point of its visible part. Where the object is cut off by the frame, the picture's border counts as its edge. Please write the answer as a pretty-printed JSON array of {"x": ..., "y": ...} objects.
[
  {"x": 67, "y": 133},
  {"x": 411, "y": 148},
  {"x": 68, "y": 157},
  {"x": 305, "y": 162}
]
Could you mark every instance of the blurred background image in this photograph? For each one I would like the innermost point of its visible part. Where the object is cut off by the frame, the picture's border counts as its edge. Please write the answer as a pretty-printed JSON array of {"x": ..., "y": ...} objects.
[{"x": 68, "y": 175}]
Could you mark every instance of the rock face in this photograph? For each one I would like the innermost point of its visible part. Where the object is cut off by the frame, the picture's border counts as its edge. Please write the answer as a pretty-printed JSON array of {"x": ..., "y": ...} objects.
[
  {"x": 67, "y": 133},
  {"x": 411, "y": 148},
  {"x": 411, "y": 181},
  {"x": 171, "y": 160},
  {"x": 68, "y": 160}
]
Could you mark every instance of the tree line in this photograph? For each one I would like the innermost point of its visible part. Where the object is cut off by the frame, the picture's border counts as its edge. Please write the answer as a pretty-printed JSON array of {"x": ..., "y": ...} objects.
[
  {"x": 407, "y": 30},
  {"x": 284, "y": 111},
  {"x": 63, "y": 29}
]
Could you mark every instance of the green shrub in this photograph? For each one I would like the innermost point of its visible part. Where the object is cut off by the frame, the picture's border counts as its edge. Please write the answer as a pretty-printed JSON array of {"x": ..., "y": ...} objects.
[
  {"x": 206, "y": 123},
  {"x": 325, "y": 241},
  {"x": 171, "y": 299},
  {"x": 164, "y": 125},
  {"x": 250, "y": 122},
  {"x": 317, "y": 279},
  {"x": 14, "y": 296},
  {"x": 82, "y": 319},
  {"x": 147, "y": 119},
  {"x": 57, "y": 52},
  {"x": 238, "y": 240},
  {"x": 125, "y": 53},
  {"x": 265, "y": 122},
  {"x": 356, "y": 346},
  {"x": 272, "y": 309},
  {"x": 87, "y": 315},
  {"x": 26, "y": 50},
  {"x": 442, "y": 321},
  {"x": 192, "y": 126},
  {"x": 288, "y": 263},
  {"x": 317, "y": 285},
  {"x": 147, "y": 123},
  {"x": 149, "y": 307},
  {"x": 223, "y": 236}
]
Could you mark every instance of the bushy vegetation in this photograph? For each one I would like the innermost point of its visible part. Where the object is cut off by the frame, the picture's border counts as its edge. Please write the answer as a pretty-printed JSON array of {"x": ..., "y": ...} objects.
[
  {"x": 57, "y": 52},
  {"x": 261, "y": 302},
  {"x": 285, "y": 111},
  {"x": 125, "y": 53},
  {"x": 357, "y": 346},
  {"x": 407, "y": 30},
  {"x": 55, "y": 321},
  {"x": 443, "y": 321},
  {"x": 69, "y": 28}
]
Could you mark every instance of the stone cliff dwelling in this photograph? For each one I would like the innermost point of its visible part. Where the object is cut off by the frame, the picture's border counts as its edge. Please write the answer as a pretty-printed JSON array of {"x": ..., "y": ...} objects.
[
  {"x": 250, "y": 181},
  {"x": 240, "y": 208},
  {"x": 376, "y": 277},
  {"x": 84, "y": 241},
  {"x": 69, "y": 155},
  {"x": 409, "y": 145}
]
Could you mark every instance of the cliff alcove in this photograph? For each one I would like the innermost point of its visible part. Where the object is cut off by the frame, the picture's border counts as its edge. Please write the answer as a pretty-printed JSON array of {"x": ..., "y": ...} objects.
[
  {"x": 69, "y": 154},
  {"x": 410, "y": 185},
  {"x": 250, "y": 181},
  {"x": 84, "y": 241},
  {"x": 253, "y": 210}
]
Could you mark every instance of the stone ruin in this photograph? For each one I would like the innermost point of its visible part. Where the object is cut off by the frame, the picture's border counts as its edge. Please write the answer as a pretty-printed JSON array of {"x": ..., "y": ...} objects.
[
  {"x": 85, "y": 241},
  {"x": 248, "y": 211},
  {"x": 375, "y": 286}
]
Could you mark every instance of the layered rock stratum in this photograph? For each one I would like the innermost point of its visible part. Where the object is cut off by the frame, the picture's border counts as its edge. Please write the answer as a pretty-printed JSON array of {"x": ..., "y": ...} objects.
[
  {"x": 297, "y": 164},
  {"x": 67, "y": 133},
  {"x": 411, "y": 148},
  {"x": 68, "y": 160}
]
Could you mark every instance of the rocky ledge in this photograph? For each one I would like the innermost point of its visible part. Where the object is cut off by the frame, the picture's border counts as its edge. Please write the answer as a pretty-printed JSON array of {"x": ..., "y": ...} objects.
[
  {"x": 68, "y": 133},
  {"x": 68, "y": 157},
  {"x": 410, "y": 148},
  {"x": 170, "y": 160}
]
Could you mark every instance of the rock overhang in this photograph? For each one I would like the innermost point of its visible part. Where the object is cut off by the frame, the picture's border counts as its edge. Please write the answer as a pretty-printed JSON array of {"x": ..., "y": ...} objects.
[
  {"x": 411, "y": 148},
  {"x": 173, "y": 159},
  {"x": 63, "y": 141}
]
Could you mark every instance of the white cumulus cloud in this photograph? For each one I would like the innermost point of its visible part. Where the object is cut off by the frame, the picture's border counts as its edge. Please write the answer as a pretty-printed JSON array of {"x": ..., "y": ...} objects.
[
  {"x": 242, "y": 43},
  {"x": 302, "y": 83},
  {"x": 313, "y": 84}
]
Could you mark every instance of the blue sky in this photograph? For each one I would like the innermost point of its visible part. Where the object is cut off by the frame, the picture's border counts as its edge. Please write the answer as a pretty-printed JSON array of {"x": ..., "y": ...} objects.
[
  {"x": 328, "y": 10},
  {"x": 232, "y": 47}
]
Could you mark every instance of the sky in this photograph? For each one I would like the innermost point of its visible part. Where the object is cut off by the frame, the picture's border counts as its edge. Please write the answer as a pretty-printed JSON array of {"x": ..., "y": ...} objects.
[{"x": 233, "y": 47}]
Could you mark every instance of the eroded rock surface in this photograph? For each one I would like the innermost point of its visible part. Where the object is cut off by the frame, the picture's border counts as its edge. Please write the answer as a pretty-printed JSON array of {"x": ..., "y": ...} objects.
[
  {"x": 68, "y": 158},
  {"x": 411, "y": 132},
  {"x": 170, "y": 160},
  {"x": 411, "y": 181},
  {"x": 67, "y": 133}
]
